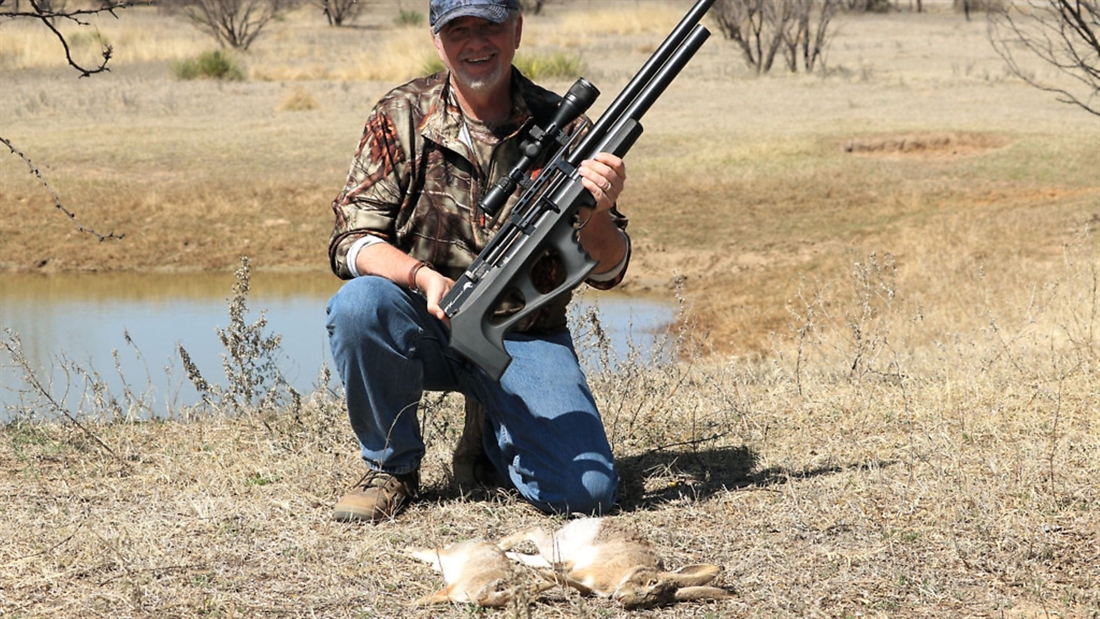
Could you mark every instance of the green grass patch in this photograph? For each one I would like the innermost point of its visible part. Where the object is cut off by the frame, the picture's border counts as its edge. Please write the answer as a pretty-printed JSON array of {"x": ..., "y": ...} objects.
[
  {"x": 550, "y": 66},
  {"x": 215, "y": 65},
  {"x": 409, "y": 19}
]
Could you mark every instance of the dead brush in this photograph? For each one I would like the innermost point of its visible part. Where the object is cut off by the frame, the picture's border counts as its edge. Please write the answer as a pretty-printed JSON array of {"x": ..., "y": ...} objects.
[
  {"x": 80, "y": 394},
  {"x": 250, "y": 361},
  {"x": 858, "y": 326},
  {"x": 672, "y": 416},
  {"x": 986, "y": 413}
]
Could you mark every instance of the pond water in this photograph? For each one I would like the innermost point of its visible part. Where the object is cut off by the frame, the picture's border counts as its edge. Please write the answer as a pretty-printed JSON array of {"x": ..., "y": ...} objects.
[{"x": 126, "y": 328}]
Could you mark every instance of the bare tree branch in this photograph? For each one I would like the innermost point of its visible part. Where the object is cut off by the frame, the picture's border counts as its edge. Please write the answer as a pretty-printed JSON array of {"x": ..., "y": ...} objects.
[
  {"x": 764, "y": 28},
  {"x": 44, "y": 13},
  {"x": 232, "y": 23},
  {"x": 1064, "y": 34},
  {"x": 56, "y": 200},
  {"x": 340, "y": 12}
]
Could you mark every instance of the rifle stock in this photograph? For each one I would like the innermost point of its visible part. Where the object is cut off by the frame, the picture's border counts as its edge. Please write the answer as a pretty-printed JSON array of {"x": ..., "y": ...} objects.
[{"x": 544, "y": 217}]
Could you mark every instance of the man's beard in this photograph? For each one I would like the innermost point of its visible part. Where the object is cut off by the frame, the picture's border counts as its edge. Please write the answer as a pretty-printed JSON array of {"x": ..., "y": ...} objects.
[{"x": 482, "y": 84}]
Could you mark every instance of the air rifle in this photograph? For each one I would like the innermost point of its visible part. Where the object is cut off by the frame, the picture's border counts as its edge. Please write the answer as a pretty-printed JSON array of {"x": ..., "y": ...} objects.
[{"x": 543, "y": 219}]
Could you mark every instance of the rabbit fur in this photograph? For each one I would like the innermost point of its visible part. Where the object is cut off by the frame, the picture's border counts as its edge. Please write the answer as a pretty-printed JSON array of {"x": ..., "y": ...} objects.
[
  {"x": 474, "y": 572},
  {"x": 604, "y": 557},
  {"x": 596, "y": 556}
]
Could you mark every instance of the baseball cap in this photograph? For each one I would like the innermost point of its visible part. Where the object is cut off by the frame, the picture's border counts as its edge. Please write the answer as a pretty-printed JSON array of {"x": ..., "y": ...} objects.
[{"x": 443, "y": 11}]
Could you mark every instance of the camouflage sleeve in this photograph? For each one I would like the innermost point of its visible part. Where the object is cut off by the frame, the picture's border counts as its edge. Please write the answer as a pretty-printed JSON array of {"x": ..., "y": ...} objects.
[
  {"x": 607, "y": 284},
  {"x": 373, "y": 194}
]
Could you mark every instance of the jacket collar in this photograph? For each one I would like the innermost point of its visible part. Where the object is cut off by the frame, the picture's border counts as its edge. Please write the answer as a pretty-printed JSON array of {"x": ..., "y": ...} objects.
[{"x": 442, "y": 123}]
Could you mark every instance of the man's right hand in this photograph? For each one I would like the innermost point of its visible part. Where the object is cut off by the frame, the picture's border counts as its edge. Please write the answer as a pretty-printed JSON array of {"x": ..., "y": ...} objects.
[
  {"x": 395, "y": 265},
  {"x": 434, "y": 286}
]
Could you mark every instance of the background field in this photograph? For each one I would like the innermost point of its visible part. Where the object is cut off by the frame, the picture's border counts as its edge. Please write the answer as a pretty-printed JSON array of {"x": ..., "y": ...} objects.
[{"x": 889, "y": 270}]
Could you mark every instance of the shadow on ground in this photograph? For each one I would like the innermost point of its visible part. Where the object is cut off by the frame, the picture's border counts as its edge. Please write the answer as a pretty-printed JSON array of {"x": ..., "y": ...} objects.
[
  {"x": 658, "y": 477},
  {"x": 655, "y": 478}
]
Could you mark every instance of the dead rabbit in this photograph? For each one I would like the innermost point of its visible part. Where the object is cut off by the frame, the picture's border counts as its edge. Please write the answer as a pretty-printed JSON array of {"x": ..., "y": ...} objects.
[
  {"x": 474, "y": 572},
  {"x": 602, "y": 556}
]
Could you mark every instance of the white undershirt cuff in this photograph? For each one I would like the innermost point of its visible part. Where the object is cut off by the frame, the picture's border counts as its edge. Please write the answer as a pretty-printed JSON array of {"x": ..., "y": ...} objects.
[
  {"x": 356, "y": 247},
  {"x": 613, "y": 273}
]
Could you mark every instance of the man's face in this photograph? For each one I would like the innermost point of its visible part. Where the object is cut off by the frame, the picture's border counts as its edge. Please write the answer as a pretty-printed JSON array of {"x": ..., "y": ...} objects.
[{"x": 479, "y": 52}]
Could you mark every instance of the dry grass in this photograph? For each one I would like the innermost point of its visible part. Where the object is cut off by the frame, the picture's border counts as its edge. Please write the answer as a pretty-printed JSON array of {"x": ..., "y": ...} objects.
[
  {"x": 880, "y": 463},
  {"x": 887, "y": 402}
]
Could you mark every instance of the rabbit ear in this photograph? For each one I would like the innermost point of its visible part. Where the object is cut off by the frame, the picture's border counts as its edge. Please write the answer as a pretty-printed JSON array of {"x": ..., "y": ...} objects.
[
  {"x": 689, "y": 594},
  {"x": 692, "y": 575}
]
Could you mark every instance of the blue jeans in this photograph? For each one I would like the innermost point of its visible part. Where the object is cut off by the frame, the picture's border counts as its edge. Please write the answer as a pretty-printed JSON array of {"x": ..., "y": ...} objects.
[{"x": 542, "y": 429}]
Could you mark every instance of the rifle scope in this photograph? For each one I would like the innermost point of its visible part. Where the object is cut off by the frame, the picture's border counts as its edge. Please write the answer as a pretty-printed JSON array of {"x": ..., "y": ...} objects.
[{"x": 576, "y": 101}]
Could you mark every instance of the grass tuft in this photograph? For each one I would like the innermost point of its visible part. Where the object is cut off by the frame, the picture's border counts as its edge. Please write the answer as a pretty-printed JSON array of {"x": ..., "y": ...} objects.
[
  {"x": 215, "y": 65},
  {"x": 552, "y": 66},
  {"x": 409, "y": 19},
  {"x": 298, "y": 100}
]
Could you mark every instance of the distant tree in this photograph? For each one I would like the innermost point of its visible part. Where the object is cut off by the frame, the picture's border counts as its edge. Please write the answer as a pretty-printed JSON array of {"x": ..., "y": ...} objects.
[
  {"x": 49, "y": 12},
  {"x": 805, "y": 39},
  {"x": 866, "y": 6},
  {"x": 341, "y": 12},
  {"x": 752, "y": 25},
  {"x": 533, "y": 7},
  {"x": 1064, "y": 34},
  {"x": 764, "y": 28},
  {"x": 232, "y": 23}
]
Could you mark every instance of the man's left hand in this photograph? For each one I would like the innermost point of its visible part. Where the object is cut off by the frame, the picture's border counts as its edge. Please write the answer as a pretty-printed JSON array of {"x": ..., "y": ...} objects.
[{"x": 604, "y": 176}]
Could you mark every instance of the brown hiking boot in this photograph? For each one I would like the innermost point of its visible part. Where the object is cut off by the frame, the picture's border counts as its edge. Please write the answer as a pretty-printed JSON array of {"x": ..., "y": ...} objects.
[{"x": 377, "y": 496}]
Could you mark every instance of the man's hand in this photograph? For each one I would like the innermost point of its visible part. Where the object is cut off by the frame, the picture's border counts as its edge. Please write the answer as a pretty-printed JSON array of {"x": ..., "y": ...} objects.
[
  {"x": 434, "y": 286},
  {"x": 387, "y": 261},
  {"x": 604, "y": 176}
]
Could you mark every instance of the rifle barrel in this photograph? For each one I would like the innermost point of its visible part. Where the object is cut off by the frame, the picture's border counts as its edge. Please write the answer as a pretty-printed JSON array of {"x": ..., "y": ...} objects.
[
  {"x": 656, "y": 86},
  {"x": 613, "y": 113}
]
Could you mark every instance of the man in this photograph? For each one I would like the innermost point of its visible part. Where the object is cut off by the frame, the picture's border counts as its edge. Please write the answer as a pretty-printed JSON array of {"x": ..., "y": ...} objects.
[{"x": 408, "y": 224}]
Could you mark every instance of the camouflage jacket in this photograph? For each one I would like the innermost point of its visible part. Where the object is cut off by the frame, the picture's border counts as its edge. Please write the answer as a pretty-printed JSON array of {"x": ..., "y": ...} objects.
[{"x": 416, "y": 184}]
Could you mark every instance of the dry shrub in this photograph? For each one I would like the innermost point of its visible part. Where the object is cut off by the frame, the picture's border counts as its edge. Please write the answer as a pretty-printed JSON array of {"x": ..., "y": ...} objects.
[{"x": 298, "y": 100}]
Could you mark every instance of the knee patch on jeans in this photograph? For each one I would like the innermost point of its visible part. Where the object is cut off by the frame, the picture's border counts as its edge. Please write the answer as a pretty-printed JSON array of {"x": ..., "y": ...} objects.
[{"x": 590, "y": 490}]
